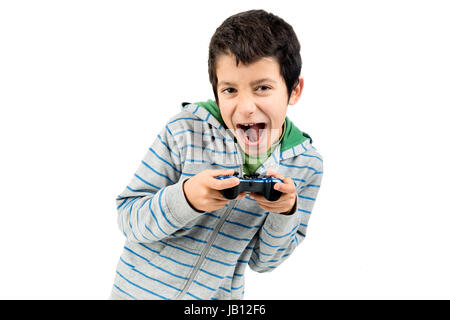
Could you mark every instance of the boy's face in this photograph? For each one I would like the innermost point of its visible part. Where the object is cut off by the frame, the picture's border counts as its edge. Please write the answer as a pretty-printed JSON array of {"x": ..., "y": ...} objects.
[{"x": 253, "y": 101}]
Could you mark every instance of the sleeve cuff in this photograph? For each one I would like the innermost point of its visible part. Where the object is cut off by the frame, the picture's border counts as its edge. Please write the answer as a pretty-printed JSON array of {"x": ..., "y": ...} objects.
[
  {"x": 177, "y": 205},
  {"x": 281, "y": 224}
]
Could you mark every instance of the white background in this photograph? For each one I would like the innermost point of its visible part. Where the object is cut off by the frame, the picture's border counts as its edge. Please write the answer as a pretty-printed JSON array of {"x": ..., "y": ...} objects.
[{"x": 86, "y": 85}]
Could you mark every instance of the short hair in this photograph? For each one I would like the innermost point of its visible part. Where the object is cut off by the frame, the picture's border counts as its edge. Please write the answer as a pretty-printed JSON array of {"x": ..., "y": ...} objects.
[{"x": 256, "y": 34}]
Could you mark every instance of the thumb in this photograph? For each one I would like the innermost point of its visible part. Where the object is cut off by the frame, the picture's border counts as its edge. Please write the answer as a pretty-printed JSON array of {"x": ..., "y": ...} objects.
[
  {"x": 221, "y": 172},
  {"x": 220, "y": 184}
]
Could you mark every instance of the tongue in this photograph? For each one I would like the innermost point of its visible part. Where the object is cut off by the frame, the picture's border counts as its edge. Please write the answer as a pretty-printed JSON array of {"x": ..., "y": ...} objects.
[
  {"x": 252, "y": 135},
  {"x": 254, "y": 132}
]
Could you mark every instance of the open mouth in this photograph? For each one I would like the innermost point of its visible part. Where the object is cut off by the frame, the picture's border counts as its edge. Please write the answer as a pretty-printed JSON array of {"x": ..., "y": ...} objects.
[{"x": 251, "y": 133}]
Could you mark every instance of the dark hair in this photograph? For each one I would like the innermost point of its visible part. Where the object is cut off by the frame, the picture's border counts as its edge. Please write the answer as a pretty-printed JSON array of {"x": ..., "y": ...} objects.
[{"x": 252, "y": 35}]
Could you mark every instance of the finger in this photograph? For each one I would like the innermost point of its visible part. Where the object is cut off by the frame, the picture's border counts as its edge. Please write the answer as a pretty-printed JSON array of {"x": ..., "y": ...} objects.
[
  {"x": 241, "y": 195},
  {"x": 221, "y": 184},
  {"x": 280, "y": 203},
  {"x": 219, "y": 201},
  {"x": 260, "y": 199},
  {"x": 255, "y": 196},
  {"x": 272, "y": 173},
  {"x": 220, "y": 172},
  {"x": 217, "y": 195},
  {"x": 271, "y": 208},
  {"x": 217, "y": 184},
  {"x": 287, "y": 186}
]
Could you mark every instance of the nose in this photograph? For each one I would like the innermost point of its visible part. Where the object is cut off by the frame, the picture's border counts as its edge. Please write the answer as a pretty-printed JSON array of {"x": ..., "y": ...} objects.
[{"x": 246, "y": 106}]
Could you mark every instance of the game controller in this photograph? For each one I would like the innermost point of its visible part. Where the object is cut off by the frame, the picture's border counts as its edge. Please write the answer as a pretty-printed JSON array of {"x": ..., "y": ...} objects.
[{"x": 253, "y": 183}]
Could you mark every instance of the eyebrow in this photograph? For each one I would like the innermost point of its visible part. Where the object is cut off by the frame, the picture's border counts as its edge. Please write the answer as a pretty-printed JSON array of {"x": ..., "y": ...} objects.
[{"x": 253, "y": 83}]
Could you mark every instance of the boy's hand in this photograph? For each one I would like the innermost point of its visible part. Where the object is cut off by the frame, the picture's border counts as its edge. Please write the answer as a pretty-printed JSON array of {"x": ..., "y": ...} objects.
[
  {"x": 288, "y": 198},
  {"x": 202, "y": 191}
]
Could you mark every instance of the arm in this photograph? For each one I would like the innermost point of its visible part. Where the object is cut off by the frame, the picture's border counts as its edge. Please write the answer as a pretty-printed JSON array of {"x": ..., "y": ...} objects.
[
  {"x": 282, "y": 233},
  {"x": 160, "y": 199},
  {"x": 153, "y": 205}
]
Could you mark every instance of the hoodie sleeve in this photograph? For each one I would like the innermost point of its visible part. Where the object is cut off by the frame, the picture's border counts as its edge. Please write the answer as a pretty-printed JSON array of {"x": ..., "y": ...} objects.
[
  {"x": 153, "y": 205},
  {"x": 281, "y": 234}
]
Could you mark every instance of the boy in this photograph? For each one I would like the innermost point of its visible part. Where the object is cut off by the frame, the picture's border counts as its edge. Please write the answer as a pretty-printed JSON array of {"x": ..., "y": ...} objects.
[{"x": 184, "y": 240}]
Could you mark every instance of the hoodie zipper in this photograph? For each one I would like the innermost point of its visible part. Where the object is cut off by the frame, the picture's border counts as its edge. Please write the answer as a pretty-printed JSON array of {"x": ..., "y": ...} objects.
[
  {"x": 212, "y": 238},
  {"x": 206, "y": 250}
]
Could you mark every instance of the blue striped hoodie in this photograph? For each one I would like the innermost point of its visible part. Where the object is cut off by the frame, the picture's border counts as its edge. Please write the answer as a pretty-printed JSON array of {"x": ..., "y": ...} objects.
[{"x": 175, "y": 252}]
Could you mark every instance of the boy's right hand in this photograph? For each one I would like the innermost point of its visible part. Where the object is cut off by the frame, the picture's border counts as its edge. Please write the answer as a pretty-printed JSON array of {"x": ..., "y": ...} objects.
[{"x": 202, "y": 191}]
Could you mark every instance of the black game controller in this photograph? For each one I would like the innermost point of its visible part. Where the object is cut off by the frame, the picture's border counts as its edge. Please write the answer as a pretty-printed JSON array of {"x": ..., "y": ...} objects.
[{"x": 253, "y": 183}]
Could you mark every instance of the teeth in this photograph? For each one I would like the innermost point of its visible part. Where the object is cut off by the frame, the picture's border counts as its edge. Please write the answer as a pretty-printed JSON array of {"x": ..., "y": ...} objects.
[{"x": 246, "y": 126}]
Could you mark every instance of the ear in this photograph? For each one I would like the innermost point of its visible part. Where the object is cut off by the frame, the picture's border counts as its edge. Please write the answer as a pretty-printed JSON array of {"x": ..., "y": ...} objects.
[{"x": 297, "y": 92}]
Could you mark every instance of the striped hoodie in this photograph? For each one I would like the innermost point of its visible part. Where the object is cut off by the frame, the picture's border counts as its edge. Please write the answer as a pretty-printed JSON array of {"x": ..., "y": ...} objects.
[{"x": 173, "y": 251}]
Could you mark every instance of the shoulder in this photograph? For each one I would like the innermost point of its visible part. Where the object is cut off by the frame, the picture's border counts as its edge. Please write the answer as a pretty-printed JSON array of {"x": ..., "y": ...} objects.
[
  {"x": 313, "y": 161},
  {"x": 313, "y": 157},
  {"x": 188, "y": 128},
  {"x": 183, "y": 120},
  {"x": 303, "y": 154},
  {"x": 304, "y": 162}
]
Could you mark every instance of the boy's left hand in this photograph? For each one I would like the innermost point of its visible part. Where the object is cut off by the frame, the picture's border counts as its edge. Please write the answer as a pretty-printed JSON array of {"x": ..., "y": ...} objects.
[{"x": 288, "y": 198}]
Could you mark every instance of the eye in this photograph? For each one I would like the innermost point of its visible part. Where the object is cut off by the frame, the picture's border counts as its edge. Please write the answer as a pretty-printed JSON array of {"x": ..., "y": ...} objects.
[
  {"x": 263, "y": 88},
  {"x": 229, "y": 90}
]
